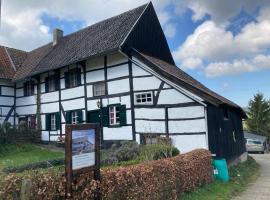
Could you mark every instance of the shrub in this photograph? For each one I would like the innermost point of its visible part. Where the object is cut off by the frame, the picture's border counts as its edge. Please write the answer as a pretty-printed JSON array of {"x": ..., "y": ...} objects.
[
  {"x": 158, "y": 151},
  {"x": 154, "y": 180},
  {"x": 126, "y": 150}
]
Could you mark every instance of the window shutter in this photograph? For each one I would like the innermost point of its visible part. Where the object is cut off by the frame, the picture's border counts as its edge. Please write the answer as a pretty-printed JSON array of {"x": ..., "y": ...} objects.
[
  {"x": 105, "y": 116},
  {"x": 79, "y": 76},
  {"x": 32, "y": 88},
  {"x": 57, "y": 81},
  {"x": 57, "y": 121},
  {"x": 79, "y": 112},
  {"x": 48, "y": 122},
  {"x": 47, "y": 84},
  {"x": 67, "y": 82},
  {"x": 25, "y": 89},
  {"x": 68, "y": 117},
  {"x": 123, "y": 115}
]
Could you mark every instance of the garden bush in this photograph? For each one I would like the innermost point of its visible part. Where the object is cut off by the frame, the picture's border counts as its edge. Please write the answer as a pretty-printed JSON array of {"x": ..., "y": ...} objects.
[{"x": 154, "y": 180}]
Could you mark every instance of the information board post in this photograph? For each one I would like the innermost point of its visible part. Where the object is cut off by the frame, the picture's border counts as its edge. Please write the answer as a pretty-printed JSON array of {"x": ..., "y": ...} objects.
[{"x": 82, "y": 151}]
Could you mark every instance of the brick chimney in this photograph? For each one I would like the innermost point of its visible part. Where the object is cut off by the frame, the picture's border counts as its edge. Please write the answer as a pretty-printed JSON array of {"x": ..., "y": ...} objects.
[{"x": 57, "y": 35}]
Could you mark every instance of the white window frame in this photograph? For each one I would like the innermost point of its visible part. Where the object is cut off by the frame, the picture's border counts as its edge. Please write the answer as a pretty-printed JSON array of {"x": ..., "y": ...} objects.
[
  {"x": 113, "y": 118},
  {"x": 139, "y": 97},
  {"x": 151, "y": 139},
  {"x": 51, "y": 84},
  {"x": 99, "y": 89},
  {"x": 73, "y": 78},
  {"x": 74, "y": 117},
  {"x": 53, "y": 122}
]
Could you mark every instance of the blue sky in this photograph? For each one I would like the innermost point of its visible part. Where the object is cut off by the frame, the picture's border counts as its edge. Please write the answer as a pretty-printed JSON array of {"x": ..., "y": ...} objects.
[{"x": 224, "y": 44}]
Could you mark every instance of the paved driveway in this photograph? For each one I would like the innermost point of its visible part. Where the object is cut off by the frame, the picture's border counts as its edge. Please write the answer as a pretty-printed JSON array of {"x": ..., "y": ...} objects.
[{"x": 259, "y": 190}]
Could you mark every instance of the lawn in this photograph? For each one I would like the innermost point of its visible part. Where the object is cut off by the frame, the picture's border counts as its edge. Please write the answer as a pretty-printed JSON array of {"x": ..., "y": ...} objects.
[
  {"x": 17, "y": 155},
  {"x": 241, "y": 175}
]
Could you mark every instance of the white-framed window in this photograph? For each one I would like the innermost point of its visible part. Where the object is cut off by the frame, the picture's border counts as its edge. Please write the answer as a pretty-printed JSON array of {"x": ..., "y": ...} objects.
[
  {"x": 73, "y": 78},
  {"x": 99, "y": 89},
  {"x": 51, "y": 84},
  {"x": 144, "y": 98},
  {"x": 74, "y": 117},
  {"x": 150, "y": 139},
  {"x": 114, "y": 115},
  {"x": 53, "y": 122}
]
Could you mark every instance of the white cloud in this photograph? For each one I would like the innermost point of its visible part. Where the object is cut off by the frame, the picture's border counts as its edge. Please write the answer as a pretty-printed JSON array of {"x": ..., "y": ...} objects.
[
  {"x": 259, "y": 62},
  {"x": 227, "y": 54},
  {"x": 22, "y": 20}
]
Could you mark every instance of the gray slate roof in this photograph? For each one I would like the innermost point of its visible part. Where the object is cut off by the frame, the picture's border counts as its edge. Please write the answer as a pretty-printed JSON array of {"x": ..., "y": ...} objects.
[{"x": 105, "y": 36}]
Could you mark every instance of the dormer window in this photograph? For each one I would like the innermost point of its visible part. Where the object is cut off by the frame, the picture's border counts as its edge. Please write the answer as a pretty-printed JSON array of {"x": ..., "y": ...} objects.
[
  {"x": 52, "y": 83},
  {"x": 29, "y": 88},
  {"x": 73, "y": 78}
]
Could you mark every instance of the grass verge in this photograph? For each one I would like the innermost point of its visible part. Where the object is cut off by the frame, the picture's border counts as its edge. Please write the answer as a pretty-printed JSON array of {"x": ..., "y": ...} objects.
[
  {"x": 240, "y": 176},
  {"x": 21, "y": 154}
]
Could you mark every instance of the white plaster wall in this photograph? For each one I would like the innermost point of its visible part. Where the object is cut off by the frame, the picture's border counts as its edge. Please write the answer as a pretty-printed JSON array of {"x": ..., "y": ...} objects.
[
  {"x": 26, "y": 110},
  {"x": 89, "y": 90},
  {"x": 138, "y": 138},
  {"x": 121, "y": 133},
  {"x": 146, "y": 83},
  {"x": 119, "y": 71},
  {"x": 143, "y": 126},
  {"x": 19, "y": 92},
  {"x": 49, "y": 97},
  {"x": 119, "y": 86},
  {"x": 25, "y": 101},
  {"x": 94, "y": 76},
  {"x": 186, "y": 143},
  {"x": 54, "y": 138},
  {"x": 124, "y": 100},
  {"x": 45, "y": 136},
  {"x": 186, "y": 112},
  {"x": 72, "y": 93},
  {"x": 116, "y": 58},
  {"x": 150, "y": 113},
  {"x": 73, "y": 104},
  {"x": 92, "y": 104},
  {"x": 137, "y": 71},
  {"x": 50, "y": 107},
  {"x": 7, "y": 91},
  {"x": 43, "y": 123},
  {"x": 187, "y": 126},
  {"x": 8, "y": 101},
  {"x": 171, "y": 96},
  {"x": 5, "y": 110},
  {"x": 95, "y": 63}
]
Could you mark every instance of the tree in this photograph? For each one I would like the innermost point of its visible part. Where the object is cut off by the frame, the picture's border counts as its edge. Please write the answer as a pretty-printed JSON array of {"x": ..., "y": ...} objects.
[{"x": 259, "y": 115}]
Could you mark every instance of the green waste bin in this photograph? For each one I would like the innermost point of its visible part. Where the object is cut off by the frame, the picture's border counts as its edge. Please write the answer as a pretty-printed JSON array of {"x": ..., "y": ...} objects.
[{"x": 221, "y": 170}]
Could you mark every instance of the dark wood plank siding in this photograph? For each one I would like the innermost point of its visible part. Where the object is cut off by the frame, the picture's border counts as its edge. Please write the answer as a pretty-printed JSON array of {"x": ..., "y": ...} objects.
[
  {"x": 220, "y": 133},
  {"x": 148, "y": 37}
]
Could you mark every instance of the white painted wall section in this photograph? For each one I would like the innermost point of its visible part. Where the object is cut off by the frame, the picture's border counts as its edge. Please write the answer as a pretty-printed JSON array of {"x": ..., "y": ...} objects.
[
  {"x": 144, "y": 126},
  {"x": 171, "y": 96},
  {"x": 186, "y": 143},
  {"x": 146, "y": 83},
  {"x": 150, "y": 113},
  {"x": 119, "y": 86},
  {"x": 119, "y": 71},
  {"x": 187, "y": 126},
  {"x": 186, "y": 112},
  {"x": 123, "y": 133}
]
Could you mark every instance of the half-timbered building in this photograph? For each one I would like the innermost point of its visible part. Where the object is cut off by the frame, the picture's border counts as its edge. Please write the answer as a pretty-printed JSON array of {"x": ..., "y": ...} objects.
[{"x": 119, "y": 73}]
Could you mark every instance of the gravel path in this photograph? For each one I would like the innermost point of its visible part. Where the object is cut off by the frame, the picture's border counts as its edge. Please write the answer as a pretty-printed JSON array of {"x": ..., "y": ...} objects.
[{"x": 259, "y": 190}]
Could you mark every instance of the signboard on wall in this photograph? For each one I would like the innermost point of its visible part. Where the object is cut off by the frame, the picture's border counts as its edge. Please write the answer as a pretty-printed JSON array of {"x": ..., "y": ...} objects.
[{"x": 82, "y": 151}]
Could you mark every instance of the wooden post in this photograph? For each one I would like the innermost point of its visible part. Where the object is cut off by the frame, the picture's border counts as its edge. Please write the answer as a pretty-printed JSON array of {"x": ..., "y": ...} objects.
[{"x": 26, "y": 189}]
